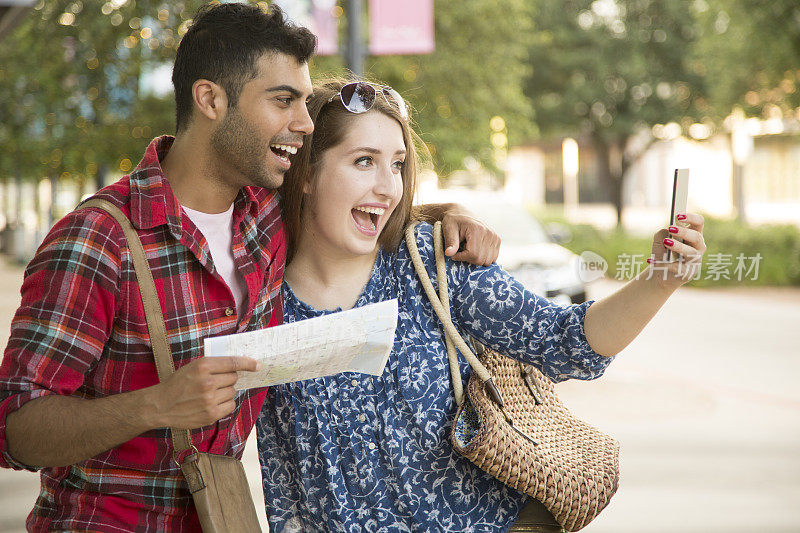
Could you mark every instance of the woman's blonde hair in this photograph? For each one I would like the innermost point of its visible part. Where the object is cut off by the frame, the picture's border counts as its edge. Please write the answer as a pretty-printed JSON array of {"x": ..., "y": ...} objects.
[{"x": 331, "y": 121}]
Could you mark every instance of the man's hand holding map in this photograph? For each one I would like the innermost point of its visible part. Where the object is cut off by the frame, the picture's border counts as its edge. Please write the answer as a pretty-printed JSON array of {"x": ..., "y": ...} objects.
[{"x": 356, "y": 340}]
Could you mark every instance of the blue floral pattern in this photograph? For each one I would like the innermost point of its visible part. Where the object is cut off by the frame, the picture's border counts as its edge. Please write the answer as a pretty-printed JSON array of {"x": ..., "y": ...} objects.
[{"x": 352, "y": 452}]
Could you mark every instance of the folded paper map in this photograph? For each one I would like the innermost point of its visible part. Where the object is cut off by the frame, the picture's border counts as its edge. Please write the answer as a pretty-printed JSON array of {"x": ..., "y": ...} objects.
[{"x": 357, "y": 340}]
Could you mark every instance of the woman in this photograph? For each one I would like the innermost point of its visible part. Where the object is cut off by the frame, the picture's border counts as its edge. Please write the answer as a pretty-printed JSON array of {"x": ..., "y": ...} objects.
[{"x": 360, "y": 453}]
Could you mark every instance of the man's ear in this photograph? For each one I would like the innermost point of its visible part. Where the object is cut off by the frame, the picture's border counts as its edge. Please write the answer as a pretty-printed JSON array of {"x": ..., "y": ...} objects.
[{"x": 209, "y": 99}]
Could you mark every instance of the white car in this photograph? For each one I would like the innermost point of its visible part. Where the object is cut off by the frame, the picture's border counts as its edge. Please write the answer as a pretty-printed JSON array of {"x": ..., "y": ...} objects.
[{"x": 527, "y": 251}]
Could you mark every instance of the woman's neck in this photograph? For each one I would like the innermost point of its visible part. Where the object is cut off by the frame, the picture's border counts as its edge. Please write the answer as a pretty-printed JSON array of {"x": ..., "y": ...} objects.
[{"x": 324, "y": 277}]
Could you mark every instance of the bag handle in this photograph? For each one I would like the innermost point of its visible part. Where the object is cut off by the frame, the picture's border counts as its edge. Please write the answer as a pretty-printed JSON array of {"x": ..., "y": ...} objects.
[
  {"x": 165, "y": 367},
  {"x": 441, "y": 306}
]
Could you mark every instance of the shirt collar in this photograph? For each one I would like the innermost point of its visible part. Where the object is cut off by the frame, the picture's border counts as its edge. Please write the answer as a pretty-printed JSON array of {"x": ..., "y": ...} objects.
[{"x": 152, "y": 201}]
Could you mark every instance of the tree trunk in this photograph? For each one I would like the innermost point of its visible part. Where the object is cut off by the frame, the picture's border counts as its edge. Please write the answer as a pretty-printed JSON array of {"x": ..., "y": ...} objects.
[
  {"x": 52, "y": 209},
  {"x": 18, "y": 199},
  {"x": 610, "y": 174},
  {"x": 100, "y": 177}
]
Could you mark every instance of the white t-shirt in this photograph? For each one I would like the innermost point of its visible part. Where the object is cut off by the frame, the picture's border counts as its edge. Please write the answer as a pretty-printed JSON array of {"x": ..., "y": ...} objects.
[{"x": 217, "y": 228}]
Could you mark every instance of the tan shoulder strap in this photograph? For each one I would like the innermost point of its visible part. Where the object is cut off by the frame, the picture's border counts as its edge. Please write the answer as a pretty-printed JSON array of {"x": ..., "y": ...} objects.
[{"x": 181, "y": 438}]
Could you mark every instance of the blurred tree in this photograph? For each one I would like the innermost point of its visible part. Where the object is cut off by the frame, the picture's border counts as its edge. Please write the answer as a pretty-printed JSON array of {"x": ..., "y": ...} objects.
[
  {"x": 75, "y": 98},
  {"x": 751, "y": 51},
  {"x": 608, "y": 70},
  {"x": 476, "y": 73},
  {"x": 76, "y": 101}
]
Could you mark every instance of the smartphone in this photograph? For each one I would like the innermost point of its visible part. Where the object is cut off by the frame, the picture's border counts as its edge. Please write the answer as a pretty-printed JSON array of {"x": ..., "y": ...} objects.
[{"x": 680, "y": 195}]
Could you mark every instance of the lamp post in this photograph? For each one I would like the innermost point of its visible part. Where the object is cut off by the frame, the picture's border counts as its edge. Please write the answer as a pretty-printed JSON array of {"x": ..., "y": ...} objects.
[
  {"x": 569, "y": 151},
  {"x": 356, "y": 52},
  {"x": 741, "y": 148}
]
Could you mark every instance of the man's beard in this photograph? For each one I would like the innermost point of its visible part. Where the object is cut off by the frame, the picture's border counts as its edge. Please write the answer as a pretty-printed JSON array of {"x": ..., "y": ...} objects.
[{"x": 237, "y": 143}]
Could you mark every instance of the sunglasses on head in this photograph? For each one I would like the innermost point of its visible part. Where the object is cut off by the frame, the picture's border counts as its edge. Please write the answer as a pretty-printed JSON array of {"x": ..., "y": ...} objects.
[{"x": 359, "y": 97}]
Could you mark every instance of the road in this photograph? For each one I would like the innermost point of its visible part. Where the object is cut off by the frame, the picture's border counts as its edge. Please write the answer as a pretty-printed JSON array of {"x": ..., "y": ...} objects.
[
  {"x": 704, "y": 402},
  {"x": 706, "y": 406}
]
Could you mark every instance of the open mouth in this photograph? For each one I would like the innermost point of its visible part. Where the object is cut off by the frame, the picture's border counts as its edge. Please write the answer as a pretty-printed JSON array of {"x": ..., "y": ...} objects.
[
  {"x": 368, "y": 218},
  {"x": 283, "y": 151}
]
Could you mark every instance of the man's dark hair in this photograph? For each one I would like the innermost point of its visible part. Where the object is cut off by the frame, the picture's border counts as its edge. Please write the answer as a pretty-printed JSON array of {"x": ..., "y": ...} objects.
[{"x": 223, "y": 44}]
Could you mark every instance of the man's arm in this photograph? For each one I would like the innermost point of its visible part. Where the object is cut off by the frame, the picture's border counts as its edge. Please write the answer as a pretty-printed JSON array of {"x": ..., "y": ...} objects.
[
  {"x": 70, "y": 301},
  {"x": 57, "y": 430},
  {"x": 466, "y": 238}
]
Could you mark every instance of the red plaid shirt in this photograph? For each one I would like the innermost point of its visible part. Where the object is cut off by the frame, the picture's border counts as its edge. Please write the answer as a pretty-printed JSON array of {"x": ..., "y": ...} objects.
[{"x": 81, "y": 331}]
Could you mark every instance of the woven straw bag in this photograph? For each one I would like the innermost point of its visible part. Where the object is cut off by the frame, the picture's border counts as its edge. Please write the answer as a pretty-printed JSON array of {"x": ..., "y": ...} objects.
[{"x": 512, "y": 424}]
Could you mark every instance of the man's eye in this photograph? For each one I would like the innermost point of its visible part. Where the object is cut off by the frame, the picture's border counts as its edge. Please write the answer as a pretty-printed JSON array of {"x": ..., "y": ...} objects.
[{"x": 285, "y": 100}]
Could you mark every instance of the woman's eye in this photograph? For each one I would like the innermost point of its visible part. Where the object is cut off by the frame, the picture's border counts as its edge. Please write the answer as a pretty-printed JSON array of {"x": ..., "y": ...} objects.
[
  {"x": 398, "y": 165},
  {"x": 364, "y": 161}
]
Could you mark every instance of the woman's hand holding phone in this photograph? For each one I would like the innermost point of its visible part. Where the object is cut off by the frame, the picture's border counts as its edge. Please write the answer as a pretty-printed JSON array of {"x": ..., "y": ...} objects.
[
  {"x": 678, "y": 250},
  {"x": 684, "y": 239}
]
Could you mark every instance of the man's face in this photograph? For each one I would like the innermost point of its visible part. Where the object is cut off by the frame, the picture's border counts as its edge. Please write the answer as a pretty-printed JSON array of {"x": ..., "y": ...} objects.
[{"x": 255, "y": 140}]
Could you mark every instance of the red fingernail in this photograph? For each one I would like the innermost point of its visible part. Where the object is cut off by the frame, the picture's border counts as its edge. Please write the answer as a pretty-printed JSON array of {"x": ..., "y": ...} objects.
[
  {"x": 668, "y": 242},
  {"x": 673, "y": 229},
  {"x": 681, "y": 217}
]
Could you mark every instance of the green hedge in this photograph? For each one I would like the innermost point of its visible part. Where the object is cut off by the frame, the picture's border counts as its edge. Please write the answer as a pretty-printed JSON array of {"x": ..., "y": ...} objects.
[{"x": 730, "y": 245}]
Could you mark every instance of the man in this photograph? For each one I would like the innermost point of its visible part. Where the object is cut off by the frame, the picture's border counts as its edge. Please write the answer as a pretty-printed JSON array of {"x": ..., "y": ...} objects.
[{"x": 79, "y": 393}]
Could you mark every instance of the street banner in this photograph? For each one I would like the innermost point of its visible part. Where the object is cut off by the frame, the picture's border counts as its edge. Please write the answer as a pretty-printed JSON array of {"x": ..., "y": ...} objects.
[
  {"x": 318, "y": 16},
  {"x": 401, "y": 27}
]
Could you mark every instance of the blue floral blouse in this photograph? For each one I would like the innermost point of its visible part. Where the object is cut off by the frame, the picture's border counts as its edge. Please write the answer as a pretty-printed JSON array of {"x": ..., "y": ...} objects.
[{"x": 353, "y": 452}]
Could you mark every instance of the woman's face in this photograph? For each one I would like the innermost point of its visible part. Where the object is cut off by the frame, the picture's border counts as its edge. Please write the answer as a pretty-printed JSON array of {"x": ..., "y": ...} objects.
[{"x": 358, "y": 185}]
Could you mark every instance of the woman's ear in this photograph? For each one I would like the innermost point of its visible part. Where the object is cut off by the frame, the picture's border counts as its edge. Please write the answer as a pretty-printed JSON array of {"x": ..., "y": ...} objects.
[{"x": 210, "y": 99}]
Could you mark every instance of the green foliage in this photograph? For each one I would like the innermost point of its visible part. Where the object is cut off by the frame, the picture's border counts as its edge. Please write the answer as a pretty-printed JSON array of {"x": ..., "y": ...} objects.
[
  {"x": 70, "y": 85},
  {"x": 72, "y": 101},
  {"x": 608, "y": 68},
  {"x": 71, "y": 75},
  {"x": 750, "y": 52},
  {"x": 475, "y": 73},
  {"x": 778, "y": 246}
]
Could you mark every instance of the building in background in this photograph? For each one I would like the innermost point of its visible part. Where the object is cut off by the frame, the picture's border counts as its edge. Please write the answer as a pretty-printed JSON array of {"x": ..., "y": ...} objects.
[{"x": 769, "y": 170}]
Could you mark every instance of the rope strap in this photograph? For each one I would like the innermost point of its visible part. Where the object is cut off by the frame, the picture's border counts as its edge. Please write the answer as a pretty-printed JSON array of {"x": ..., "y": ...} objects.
[{"x": 442, "y": 308}]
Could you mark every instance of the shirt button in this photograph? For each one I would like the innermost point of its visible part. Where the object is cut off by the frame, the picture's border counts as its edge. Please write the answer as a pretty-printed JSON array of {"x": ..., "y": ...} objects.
[
  {"x": 371, "y": 445},
  {"x": 362, "y": 417},
  {"x": 354, "y": 383},
  {"x": 229, "y": 311}
]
